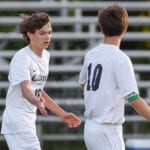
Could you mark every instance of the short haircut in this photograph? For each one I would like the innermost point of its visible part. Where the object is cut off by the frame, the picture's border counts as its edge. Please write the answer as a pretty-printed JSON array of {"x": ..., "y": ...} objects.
[
  {"x": 32, "y": 23},
  {"x": 113, "y": 20}
]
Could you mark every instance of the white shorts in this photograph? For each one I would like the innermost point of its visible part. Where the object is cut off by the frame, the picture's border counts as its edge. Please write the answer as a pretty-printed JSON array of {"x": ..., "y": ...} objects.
[
  {"x": 22, "y": 141},
  {"x": 103, "y": 136}
]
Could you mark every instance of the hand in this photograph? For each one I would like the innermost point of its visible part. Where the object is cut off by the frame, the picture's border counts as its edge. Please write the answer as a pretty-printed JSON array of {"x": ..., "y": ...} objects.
[
  {"x": 71, "y": 120},
  {"x": 41, "y": 107}
]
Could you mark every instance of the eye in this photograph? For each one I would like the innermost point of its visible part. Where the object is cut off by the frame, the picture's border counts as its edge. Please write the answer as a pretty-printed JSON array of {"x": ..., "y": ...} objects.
[{"x": 42, "y": 33}]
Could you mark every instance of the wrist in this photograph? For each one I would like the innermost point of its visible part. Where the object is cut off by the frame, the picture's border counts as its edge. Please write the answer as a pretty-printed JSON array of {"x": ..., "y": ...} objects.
[
  {"x": 63, "y": 115},
  {"x": 36, "y": 101}
]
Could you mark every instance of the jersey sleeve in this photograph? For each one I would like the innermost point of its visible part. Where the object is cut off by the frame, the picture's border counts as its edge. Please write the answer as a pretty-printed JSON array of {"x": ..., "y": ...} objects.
[
  {"x": 83, "y": 73},
  {"x": 19, "y": 70},
  {"x": 125, "y": 77}
]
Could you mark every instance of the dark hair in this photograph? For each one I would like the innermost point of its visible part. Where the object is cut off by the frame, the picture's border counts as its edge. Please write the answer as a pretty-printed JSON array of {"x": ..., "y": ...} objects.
[
  {"x": 32, "y": 23},
  {"x": 113, "y": 20}
]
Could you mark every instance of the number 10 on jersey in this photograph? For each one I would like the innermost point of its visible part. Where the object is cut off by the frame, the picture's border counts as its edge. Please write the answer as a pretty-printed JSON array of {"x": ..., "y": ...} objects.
[{"x": 94, "y": 78}]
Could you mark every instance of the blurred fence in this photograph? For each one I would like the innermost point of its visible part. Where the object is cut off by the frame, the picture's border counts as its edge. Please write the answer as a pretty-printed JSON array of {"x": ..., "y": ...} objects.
[{"x": 74, "y": 33}]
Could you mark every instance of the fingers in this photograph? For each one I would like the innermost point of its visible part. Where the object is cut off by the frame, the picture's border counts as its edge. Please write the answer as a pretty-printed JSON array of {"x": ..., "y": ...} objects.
[
  {"x": 74, "y": 124},
  {"x": 43, "y": 111},
  {"x": 42, "y": 100},
  {"x": 72, "y": 120}
]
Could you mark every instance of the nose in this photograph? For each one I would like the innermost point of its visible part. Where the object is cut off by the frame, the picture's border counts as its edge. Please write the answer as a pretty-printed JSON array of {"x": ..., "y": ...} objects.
[{"x": 48, "y": 36}]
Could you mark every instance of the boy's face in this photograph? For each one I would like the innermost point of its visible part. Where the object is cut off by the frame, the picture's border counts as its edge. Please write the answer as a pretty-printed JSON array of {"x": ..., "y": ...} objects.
[{"x": 41, "y": 38}]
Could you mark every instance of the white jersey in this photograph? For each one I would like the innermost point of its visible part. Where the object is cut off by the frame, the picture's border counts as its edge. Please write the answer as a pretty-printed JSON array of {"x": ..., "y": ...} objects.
[
  {"x": 20, "y": 114},
  {"x": 108, "y": 76}
]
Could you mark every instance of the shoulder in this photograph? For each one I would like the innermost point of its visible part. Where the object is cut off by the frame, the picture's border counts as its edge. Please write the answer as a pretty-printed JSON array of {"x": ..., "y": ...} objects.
[
  {"x": 23, "y": 52},
  {"x": 21, "y": 55},
  {"x": 121, "y": 58},
  {"x": 92, "y": 51}
]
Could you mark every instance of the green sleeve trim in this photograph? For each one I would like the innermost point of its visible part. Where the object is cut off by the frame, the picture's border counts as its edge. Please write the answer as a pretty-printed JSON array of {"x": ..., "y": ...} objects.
[{"x": 133, "y": 98}]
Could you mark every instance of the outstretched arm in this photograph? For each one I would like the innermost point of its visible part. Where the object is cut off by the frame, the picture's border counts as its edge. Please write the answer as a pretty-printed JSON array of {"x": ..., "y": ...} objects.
[
  {"x": 69, "y": 118},
  {"x": 141, "y": 107}
]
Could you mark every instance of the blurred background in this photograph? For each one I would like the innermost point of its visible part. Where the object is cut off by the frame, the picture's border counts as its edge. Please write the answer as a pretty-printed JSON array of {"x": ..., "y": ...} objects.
[{"x": 75, "y": 31}]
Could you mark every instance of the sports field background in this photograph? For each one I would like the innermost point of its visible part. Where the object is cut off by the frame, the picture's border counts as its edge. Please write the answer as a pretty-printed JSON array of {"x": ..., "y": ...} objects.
[{"x": 75, "y": 31}]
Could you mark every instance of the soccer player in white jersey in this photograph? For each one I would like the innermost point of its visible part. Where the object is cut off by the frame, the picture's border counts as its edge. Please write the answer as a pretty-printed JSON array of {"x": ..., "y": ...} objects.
[
  {"x": 27, "y": 76},
  {"x": 108, "y": 80}
]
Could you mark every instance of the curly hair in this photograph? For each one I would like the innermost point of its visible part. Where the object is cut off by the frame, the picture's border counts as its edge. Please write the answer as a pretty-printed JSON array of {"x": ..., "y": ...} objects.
[{"x": 32, "y": 23}]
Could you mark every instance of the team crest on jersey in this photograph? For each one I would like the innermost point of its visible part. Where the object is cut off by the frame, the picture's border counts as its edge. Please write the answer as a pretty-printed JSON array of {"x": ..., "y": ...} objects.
[{"x": 39, "y": 78}]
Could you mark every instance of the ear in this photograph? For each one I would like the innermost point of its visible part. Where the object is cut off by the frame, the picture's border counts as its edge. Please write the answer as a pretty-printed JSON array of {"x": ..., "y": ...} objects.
[{"x": 30, "y": 35}]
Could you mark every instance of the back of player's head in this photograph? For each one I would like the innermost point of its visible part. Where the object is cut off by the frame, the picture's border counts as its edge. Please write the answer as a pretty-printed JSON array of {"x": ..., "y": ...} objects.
[
  {"x": 32, "y": 23},
  {"x": 113, "y": 20}
]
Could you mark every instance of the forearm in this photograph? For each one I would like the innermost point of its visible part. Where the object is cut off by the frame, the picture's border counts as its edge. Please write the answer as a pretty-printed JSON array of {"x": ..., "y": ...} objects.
[
  {"x": 51, "y": 105},
  {"x": 141, "y": 108},
  {"x": 28, "y": 94}
]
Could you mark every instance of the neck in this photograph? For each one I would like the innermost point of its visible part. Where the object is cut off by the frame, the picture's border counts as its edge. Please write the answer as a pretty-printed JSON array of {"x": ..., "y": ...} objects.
[
  {"x": 37, "y": 51},
  {"x": 113, "y": 40}
]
